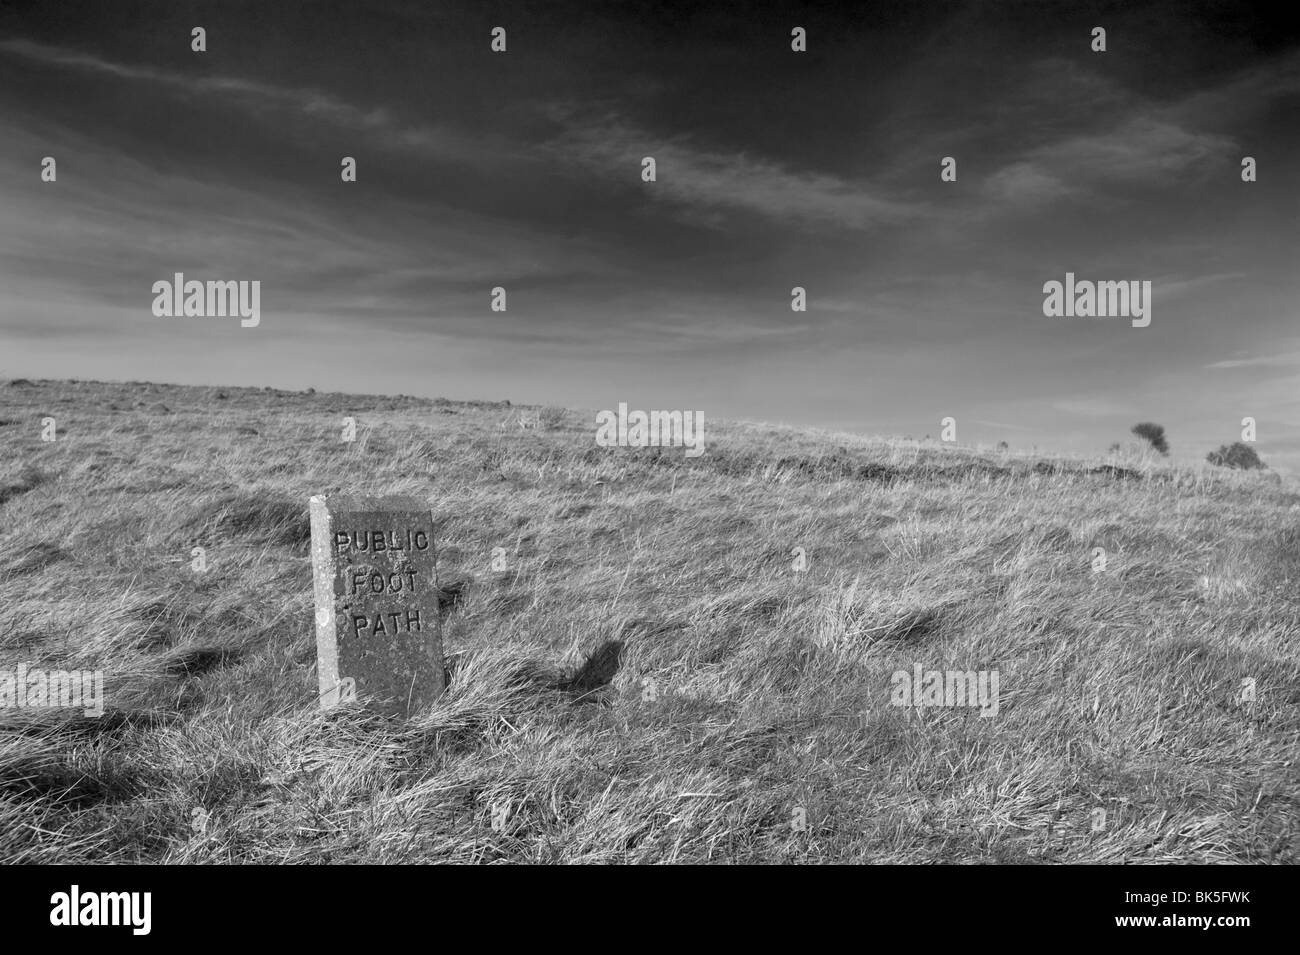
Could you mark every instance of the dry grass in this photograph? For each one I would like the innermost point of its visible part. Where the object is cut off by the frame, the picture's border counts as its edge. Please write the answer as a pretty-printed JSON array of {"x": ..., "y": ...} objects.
[{"x": 629, "y": 570}]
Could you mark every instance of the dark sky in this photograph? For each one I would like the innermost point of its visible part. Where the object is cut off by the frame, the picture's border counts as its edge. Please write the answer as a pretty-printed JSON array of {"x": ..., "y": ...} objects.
[{"x": 775, "y": 169}]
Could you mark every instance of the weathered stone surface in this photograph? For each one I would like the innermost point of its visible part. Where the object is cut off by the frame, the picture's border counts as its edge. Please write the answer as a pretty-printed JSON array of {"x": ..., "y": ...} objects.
[{"x": 378, "y": 635}]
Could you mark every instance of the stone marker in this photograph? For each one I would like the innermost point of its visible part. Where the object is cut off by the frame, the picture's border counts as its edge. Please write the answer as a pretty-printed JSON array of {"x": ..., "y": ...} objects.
[{"x": 377, "y": 629}]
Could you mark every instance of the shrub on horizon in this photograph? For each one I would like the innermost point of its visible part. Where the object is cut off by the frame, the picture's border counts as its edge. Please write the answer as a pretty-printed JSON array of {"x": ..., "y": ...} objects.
[
  {"x": 1236, "y": 455},
  {"x": 1153, "y": 434}
]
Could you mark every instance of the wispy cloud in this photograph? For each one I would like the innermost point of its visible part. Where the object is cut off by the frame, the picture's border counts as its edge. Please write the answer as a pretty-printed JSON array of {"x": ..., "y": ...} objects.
[
  {"x": 1092, "y": 407},
  {"x": 266, "y": 100},
  {"x": 1002, "y": 425},
  {"x": 1283, "y": 360},
  {"x": 694, "y": 176},
  {"x": 1171, "y": 287},
  {"x": 310, "y": 101},
  {"x": 1141, "y": 150}
]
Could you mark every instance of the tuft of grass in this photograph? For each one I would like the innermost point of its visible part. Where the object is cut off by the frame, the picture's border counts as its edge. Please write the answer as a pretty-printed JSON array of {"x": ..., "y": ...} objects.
[
  {"x": 268, "y": 518},
  {"x": 28, "y": 479},
  {"x": 31, "y": 559}
]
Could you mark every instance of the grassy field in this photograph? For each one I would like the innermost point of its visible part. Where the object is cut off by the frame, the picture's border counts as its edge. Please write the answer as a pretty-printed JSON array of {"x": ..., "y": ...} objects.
[{"x": 649, "y": 678}]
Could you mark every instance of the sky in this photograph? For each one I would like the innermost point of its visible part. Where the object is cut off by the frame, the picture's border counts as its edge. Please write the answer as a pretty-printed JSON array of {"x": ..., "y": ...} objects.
[{"x": 774, "y": 169}]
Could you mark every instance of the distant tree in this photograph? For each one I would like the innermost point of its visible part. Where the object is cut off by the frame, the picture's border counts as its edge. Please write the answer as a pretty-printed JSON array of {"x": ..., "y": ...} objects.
[
  {"x": 1236, "y": 455},
  {"x": 1153, "y": 434},
  {"x": 1003, "y": 446},
  {"x": 1114, "y": 448}
]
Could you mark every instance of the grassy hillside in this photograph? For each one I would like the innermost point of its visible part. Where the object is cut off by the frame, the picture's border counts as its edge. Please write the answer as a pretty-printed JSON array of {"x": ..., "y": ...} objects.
[{"x": 649, "y": 679}]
